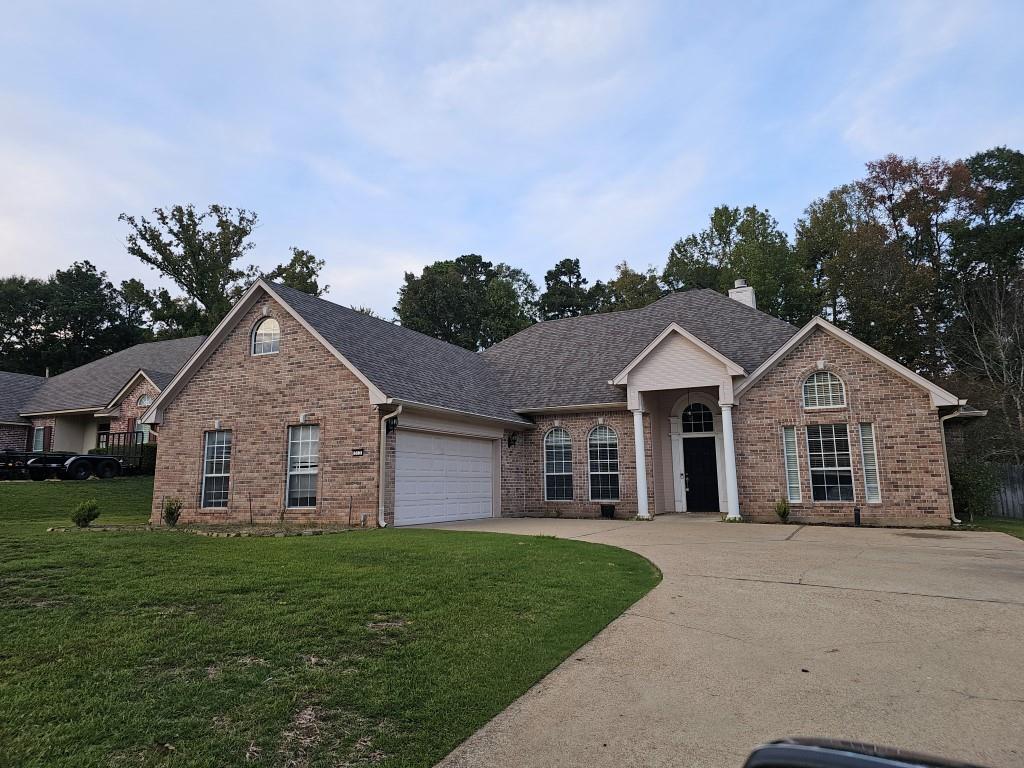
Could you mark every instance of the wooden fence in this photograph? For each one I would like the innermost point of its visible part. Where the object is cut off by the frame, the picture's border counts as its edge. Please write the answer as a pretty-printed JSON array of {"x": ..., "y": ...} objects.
[{"x": 1009, "y": 499}]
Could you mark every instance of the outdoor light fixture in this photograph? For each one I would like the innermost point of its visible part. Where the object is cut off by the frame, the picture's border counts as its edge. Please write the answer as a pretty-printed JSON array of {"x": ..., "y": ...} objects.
[{"x": 512, "y": 439}]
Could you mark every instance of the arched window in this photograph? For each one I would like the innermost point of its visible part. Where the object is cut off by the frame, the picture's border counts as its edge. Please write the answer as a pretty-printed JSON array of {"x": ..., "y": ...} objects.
[
  {"x": 557, "y": 465},
  {"x": 266, "y": 337},
  {"x": 603, "y": 446},
  {"x": 824, "y": 389},
  {"x": 145, "y": 401},
  {"x": 698, "y": 418}
]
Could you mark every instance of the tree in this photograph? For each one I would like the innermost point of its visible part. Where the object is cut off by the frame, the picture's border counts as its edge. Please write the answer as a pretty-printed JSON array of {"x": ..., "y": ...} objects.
[
  {"x": 23, "y": 303},
  {"x": 746, "y": 244},
  {"x": 302, "y": 272},
  {"x": 629, "y": 289},
  {"x": 565, "y": 292},
  {"x": 199, "y": 252},
  {"x": 862, "y": 280},
  {"x": 467, "y": 301}
]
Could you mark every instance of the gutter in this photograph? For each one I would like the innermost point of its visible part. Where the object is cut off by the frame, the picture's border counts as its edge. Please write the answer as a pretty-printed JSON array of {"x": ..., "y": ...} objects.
[{"x": 381, "y": 522}]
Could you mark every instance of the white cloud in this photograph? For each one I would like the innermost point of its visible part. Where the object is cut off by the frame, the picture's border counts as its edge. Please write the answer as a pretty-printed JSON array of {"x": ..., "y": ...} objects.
[{"x": 521, "y": 79}]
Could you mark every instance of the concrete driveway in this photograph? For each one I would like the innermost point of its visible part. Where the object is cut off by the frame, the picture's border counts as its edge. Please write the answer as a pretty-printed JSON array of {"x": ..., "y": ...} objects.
[{"x": 912, "y": 639}]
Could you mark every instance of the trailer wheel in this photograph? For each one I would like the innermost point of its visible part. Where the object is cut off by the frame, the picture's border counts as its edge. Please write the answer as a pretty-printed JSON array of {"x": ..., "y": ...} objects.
[
  {"x": 108, "y": 469},
  {"x": 37, "y": 473},
  {"x": 79, "y": 470}
]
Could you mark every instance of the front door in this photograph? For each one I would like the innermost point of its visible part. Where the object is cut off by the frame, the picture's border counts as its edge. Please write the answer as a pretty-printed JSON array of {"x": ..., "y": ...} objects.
[{"x": 701, "y": 474}]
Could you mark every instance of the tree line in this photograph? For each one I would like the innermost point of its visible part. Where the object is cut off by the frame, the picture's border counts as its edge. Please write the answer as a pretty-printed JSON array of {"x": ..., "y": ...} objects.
[{"x": 924, "y": 260}]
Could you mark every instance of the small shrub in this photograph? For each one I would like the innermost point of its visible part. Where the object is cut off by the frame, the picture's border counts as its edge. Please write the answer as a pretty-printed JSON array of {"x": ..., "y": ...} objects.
[
  {"x": 172, "y": 511},
  {"x": 782, "y": 509},
  {"x": 85, "y": 513},
  {"x": 974, "y": 487}
]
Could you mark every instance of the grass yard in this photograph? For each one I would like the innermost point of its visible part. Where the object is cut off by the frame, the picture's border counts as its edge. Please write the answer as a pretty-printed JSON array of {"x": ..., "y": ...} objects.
[
  {"x": 367, "y": 648},
  {"x": 1001, "y": 524}
]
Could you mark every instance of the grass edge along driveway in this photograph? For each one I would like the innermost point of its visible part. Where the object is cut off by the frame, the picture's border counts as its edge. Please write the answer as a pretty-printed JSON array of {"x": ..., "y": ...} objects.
[{"x": 367, "y": 648}]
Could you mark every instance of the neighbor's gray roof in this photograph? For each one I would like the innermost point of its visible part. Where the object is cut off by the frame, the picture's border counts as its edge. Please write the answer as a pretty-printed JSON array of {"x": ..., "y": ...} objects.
[
  {"x": 15, "y": 391},
  {"x": 402, "y": 363},
  {"x": 570, "y": 361},
  {"x": 94, "y": 384}
]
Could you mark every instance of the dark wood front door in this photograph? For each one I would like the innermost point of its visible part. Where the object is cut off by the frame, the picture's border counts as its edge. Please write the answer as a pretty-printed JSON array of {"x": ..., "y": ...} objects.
[{"x": 701, "y": 474}]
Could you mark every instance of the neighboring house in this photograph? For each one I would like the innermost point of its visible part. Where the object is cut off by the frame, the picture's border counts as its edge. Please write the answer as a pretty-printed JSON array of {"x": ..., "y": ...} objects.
[
  {"x": 70, "y": 411},
  {"x": 296, "y": 409}
]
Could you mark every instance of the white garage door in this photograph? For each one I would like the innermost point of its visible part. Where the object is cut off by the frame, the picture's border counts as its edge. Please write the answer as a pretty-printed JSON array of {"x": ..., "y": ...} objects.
[{"x": 442, "y": 477}]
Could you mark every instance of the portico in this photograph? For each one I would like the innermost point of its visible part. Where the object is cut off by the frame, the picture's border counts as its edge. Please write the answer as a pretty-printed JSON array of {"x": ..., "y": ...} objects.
[{"x": 685, "y": 388}]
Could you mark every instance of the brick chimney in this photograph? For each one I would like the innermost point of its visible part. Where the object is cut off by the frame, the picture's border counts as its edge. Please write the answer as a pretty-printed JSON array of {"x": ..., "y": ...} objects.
[{"x": 743, "y": 293}]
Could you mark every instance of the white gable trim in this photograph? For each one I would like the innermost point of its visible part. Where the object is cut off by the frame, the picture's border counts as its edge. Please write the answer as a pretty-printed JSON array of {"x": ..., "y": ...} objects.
[
  {"x": 730, "y": 367},
  {"x": 115, "y": 401},
  {"x": 155, "y": 412},
  {"x": 939, "y": 396}
]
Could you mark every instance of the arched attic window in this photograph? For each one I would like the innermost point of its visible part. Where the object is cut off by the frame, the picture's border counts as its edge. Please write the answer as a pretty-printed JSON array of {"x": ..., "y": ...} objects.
[
  {"x": 266, "y": 337},
  {"x": 823, "y": 389}
]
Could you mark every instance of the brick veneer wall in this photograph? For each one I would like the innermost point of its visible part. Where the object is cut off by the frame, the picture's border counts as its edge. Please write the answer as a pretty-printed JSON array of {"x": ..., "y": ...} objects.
[
  {"x": 522, "y": 465},
  {"x": 130, "y": 408},
  {"x": 258, "y": 398},
  {"x": 48, "y": 423},
  {"x": 14, "y": 437},
  {"x": 908, "y": 437}
]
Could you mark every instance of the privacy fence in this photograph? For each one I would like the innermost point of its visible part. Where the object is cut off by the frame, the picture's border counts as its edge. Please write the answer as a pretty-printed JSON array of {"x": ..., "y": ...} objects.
[{"x": 1009, "y": 499}]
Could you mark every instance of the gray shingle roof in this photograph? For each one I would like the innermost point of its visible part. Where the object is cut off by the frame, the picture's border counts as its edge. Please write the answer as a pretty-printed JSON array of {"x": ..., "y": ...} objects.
[
  {"x": 570, "y": 361},
  {"x": 94, "y": 384},
  {"x": 402, "y": 363},
  {"x": 15, "y": 390}
]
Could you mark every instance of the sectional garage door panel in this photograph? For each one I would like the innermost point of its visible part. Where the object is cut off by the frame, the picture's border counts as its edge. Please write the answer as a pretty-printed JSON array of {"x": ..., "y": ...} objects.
[{"x": 440, "y": 478}]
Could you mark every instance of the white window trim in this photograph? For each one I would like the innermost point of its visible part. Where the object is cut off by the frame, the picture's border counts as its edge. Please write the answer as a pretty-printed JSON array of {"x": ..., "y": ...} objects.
[
  {"x": 202, "y": 489},
  {"x": 289, "y": 473},
  {"x": 798, "y": 498},
  {"x": 255, "y": 330},
  {"x": 831, "y": 406},
  {"x": 811, "y": 470},
  {"x": 864, "y": 462},
  {"x": 39, "y": 436},
  {"x": 544, "y": 459},
  {"x": 590, "y": 474}
]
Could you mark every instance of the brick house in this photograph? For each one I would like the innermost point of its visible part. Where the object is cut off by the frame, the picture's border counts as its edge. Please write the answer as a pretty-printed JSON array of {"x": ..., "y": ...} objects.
[
  {"x": 72, "y": 411},
  {"x": 297, "y": 409}
]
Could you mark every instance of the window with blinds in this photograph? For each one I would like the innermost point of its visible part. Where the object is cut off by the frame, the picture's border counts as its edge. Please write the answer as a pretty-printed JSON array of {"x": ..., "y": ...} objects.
[
  {"x": 792, "y": 464},
  {"x": 869, "y": 460}
]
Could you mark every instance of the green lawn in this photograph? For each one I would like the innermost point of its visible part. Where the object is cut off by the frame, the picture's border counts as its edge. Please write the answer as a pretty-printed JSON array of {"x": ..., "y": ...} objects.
[
  {"x": 366, "y": 648},
  {"x": 1001, "y": 524}
]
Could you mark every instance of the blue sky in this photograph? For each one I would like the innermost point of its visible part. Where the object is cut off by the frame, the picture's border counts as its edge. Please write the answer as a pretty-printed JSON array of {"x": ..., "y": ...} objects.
[{"x": 386, "y": 136}]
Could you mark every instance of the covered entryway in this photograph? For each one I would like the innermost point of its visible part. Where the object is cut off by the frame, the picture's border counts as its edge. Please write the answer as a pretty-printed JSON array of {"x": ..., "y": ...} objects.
[{"x": 440, "y": 477}]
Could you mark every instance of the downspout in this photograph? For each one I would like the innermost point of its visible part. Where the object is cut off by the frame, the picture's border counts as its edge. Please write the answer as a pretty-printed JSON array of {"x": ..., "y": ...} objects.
[
  {"x": 382, "y": 459},
  {"x": 945, "y": 456}
]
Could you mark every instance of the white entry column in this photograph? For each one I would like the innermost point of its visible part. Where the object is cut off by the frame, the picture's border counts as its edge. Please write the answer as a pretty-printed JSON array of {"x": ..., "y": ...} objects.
[
  {"x": 642, "y": 511},
  {"x": 729, "y": 447}
]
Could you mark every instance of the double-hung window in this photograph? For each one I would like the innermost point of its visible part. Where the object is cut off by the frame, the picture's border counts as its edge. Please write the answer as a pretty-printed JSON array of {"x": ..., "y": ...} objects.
[
  {"x": 828, "y": 453},
  {"x": 216, "y": 468},
  {"x": 603, "y": 445},
  {"x": 869, "y": 462},
  {"x": 792, "y": 464},
  {"x": 39, "y": 439},
  {"x": 557, "y": 465},
  {"x": 303, "y": 464}
]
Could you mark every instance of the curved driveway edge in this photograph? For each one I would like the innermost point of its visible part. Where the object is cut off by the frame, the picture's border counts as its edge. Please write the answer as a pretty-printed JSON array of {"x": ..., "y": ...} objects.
[{"x": 908, "y": 638}]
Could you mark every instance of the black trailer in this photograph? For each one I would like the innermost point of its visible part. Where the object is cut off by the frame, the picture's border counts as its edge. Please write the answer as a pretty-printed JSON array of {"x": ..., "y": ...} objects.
[{"x": 18, "y": 465}]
